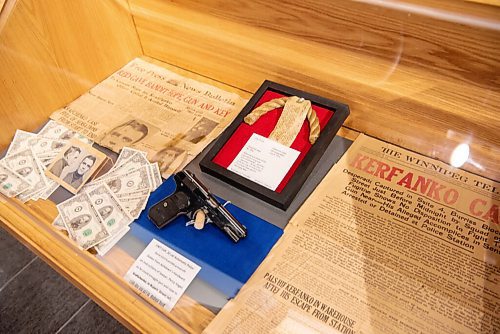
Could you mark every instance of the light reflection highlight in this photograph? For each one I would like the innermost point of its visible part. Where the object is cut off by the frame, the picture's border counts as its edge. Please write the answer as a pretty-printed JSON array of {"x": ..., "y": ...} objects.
[
  {"x": 436, "y": 13},
  {"x": 460, "y": 155}
]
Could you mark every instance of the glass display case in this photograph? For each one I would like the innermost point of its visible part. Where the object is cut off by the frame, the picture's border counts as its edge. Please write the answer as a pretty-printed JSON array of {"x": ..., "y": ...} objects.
[{"x": 423, "y": 75}]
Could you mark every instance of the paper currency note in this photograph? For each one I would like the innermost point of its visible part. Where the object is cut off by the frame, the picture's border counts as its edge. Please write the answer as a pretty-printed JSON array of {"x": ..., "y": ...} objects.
[
  {"x": 111, "y": 212},
  {"x": 134, "y": 194},
  {"x": 155, "y": 175},
  {"x": 25, "y": 164},
  {"x": 45, "y": 146},
  {"x": 136, "y": 161},
  {"x": 109, "y": 243},
  {"x": 58, "y": 131},
  {"x": 49, "y": 190},
  {"x": 30, "y": 195},
  {"x": 82, "y": 221},
  {"x": 115, "y": 183},
  {"x": 131, "y": 182},
  {"x": 40, "y": 145},
  {"x": 11, "y": 183},
  {"x": 46, "y": 161},
  {"x": 121, "y": 165},
  {"x": 134, "y": 205},
  {"x": 19, "y": 141},
  {"x": 126, "y": 153},
  {"x": 58, "y": 223}
]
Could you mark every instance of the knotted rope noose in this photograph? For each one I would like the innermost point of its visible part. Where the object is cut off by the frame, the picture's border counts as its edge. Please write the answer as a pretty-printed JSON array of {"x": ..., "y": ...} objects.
[{"x": 252, "y": 117}]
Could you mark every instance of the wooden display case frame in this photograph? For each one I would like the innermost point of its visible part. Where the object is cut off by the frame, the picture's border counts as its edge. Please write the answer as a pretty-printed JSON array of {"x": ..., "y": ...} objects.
[{"x": 416, "y": 87}]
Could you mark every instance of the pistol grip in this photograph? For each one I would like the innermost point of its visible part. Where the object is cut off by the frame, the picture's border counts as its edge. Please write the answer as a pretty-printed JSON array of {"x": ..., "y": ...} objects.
[{"x": 168, "y": 209}]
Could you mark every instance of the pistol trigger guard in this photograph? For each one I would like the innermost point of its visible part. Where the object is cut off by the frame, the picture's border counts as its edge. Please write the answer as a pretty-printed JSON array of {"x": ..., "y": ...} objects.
[
  {"x": 194, "y": 219},
  {"x": 207, "y": 217},
  {"x": 191, "y": 217}
]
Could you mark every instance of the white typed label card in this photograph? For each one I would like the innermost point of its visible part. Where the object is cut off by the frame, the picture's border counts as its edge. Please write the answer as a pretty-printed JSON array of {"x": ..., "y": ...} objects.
[
  {"x": 162, "y": 274},
  {"x": 264, "y": 161}
]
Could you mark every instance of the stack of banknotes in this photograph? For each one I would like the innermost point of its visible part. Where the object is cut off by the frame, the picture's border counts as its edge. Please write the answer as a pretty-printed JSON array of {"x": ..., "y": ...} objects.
[
  {"x": 100, "y": 214},
  {"x": 22, "y": 170},
  {"x": 102, "y": 210}
]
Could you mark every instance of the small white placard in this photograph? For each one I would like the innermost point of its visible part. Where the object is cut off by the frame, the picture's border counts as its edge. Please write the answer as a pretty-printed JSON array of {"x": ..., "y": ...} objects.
[
  {"x": 264, "y": 161},
  {"x": 162, "y": 274}
]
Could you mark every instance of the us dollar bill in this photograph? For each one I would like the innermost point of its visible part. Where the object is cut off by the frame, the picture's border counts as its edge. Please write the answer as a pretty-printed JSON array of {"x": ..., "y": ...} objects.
[
  {"x": 136, "y": 161},
  {"x": 49, "y": 190},
  {"x": 58, "y": 131},
  {"x": 26, "y": 165},
  {"x": 155, "y": 174},
  {"x": 134, "y": 205},
  {"x": 134, "y": 194},
  {"x": 131, "y": 182},
  {"x": 45, "y": 146},
  {"x": 111, "y": 212},
  {"x": 82, "y": 221},
  {"x": 103, "y": 247},
  {"x": 58, "y": 223},
  {"x": 41, "y": 146},
  {"x": 11, "y": 183},
  {"x": 125, "y": 154},
  {"x": 19, "y": 142}
]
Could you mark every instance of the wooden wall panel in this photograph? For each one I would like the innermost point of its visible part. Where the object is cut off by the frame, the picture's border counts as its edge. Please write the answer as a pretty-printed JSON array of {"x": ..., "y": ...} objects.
[
  {"x": 422, "y": 77},
  {"x": 53, "y": 51}
]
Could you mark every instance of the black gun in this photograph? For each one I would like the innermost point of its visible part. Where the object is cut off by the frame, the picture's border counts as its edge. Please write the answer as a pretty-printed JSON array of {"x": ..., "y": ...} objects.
[{"x": 191, "y": 196}]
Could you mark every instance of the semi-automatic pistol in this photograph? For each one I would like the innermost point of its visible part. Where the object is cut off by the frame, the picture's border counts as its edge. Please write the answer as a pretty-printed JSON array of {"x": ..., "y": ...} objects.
[{"x": 190, "y": 197}]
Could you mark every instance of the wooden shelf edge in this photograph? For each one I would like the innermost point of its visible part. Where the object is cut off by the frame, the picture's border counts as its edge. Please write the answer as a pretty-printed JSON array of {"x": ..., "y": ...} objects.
[{"x": 83, "y": 270}]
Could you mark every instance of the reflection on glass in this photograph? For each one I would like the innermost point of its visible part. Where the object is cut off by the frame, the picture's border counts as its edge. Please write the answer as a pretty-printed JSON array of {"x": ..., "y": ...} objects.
[{"x": 460, "y": 155}]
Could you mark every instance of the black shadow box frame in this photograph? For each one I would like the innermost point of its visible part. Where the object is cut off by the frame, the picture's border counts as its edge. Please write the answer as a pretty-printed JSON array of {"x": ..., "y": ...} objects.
[{"x": 283, "y": 199}]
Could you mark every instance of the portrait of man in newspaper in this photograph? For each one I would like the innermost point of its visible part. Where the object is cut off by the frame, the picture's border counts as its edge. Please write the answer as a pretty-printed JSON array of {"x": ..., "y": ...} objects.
[
  {"x": 200, "y": 130},
  {"x": 166, "y": 156},
  {"x": 125, "y": 134}
]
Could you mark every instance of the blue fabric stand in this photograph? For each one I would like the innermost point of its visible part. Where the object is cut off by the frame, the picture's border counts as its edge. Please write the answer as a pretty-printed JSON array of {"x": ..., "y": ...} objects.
[{"x": 224, "y": 264}]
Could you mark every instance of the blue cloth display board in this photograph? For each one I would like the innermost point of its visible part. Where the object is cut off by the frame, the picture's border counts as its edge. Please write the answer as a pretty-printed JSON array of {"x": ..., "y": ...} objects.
[{"x": 224, "y": 264}]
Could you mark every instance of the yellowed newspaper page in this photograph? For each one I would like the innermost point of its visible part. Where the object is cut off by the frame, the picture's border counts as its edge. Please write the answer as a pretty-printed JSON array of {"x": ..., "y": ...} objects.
[
  {"x": 147, "y": 107},
  {"x": 389, "y": 242}
]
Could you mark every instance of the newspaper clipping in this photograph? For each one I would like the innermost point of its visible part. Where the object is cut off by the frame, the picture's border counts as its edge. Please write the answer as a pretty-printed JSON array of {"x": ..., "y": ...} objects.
[
  {"x": 147, "y": 107},
  {"x": 390, "y": 242}
]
